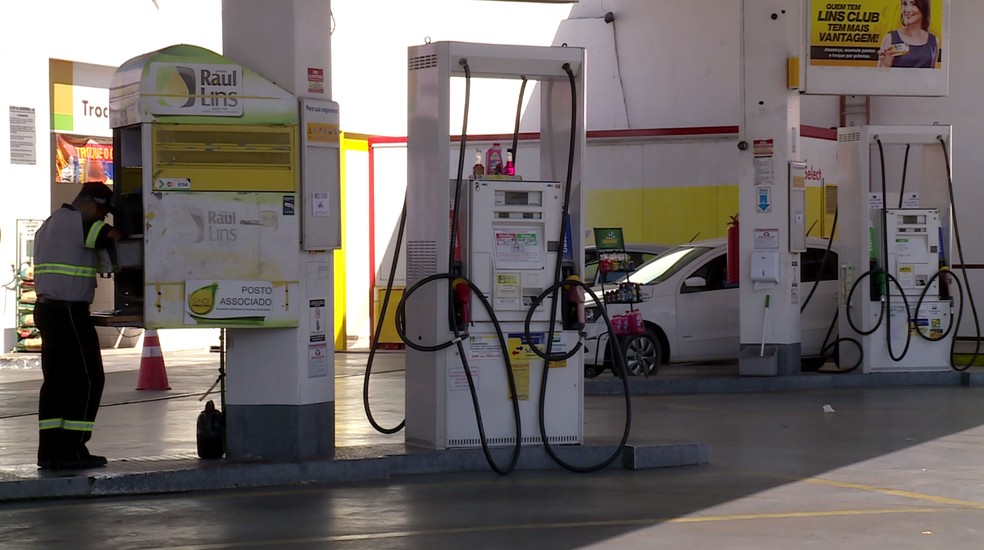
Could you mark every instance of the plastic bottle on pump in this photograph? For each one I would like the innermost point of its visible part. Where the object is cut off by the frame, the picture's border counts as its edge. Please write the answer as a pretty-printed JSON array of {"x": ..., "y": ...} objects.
[
  {"x": 479, "y": 168},
  {"x": 493, "y": 159},
  {"x": 510, "y": 169}
]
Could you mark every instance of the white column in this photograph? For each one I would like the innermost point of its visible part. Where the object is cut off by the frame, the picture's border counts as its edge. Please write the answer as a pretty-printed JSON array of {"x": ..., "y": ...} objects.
[
  {"x": 772, "y": 32},
  {"x": 280, "y": 391}
]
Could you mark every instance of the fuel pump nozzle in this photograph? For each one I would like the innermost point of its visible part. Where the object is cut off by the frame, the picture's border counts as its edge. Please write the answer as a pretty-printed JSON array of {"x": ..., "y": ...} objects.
[
  {"x": 462, "y": 303},
  {"x": 573, "y": 304},
  {"x": 877, "y": 287},
  {"x": 944, "y": 270}
]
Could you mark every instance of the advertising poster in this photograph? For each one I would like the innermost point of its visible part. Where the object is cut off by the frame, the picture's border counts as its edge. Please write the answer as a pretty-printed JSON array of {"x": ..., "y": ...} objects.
[
  {"x": 876, "y": 45},
  {"x": 877, "y": 33},
  {"x": 80, "y": 98},
  {"x": 78, "y": 160},
  {"x": 609, "y": 238}
]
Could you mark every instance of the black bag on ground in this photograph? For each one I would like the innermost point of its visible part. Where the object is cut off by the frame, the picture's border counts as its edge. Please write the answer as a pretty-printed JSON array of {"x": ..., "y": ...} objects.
[{"x": 211, "y": 432}]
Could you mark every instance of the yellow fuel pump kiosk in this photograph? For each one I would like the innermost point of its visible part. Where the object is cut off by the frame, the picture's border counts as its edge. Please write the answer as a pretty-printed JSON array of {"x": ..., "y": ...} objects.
[
  {"x": 231, "y": 212},
  {"x": 206, "y": 186}
]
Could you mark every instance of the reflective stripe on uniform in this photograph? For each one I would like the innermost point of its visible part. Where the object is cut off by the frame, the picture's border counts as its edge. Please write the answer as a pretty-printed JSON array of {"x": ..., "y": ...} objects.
[
  {"x": 65, "y": 269},
  {"x": 90, "y": 238},
  {"x": 79, "y": 425},
  {"x": 50, "y": 423}
]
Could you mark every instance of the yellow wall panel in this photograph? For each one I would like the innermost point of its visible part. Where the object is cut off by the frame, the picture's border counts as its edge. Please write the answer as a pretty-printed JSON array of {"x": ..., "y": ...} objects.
[
  {"x": 668, "y": 215},
  {"x": 674, "y": 215}
]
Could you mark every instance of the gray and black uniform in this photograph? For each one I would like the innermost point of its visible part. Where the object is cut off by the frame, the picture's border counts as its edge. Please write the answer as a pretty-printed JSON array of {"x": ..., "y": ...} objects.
[{"x": 65, "y": 255}]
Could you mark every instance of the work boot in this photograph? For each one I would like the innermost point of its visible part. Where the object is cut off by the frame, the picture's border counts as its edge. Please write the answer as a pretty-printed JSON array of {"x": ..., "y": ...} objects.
[
  {"x": 80, "y": 463},
  {"x": 90, "y": 461},
  {"x": 94, "y": 459},
  {"x": 79, "y": 459},
  {"x": 53, "y": 448},
  {"x": 84, "y": 453}
]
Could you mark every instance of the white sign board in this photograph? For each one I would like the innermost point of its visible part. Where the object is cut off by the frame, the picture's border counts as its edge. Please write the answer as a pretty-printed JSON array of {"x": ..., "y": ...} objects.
[{"x": 246, "y": 303}]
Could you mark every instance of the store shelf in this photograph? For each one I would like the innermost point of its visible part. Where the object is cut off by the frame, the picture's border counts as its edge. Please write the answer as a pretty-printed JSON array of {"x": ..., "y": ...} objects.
[
  {"x": 28, "y": 337},
  {"x": 623, "y": 302}
]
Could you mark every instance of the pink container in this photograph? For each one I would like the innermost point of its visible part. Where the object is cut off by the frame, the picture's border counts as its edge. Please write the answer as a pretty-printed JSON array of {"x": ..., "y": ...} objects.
[
  {"x": 621, "y": 324},
  {"x": 636, "y": 323}
]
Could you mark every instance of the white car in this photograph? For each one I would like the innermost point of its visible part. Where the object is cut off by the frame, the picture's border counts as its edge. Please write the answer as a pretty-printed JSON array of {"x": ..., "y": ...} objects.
[{"x": 691, "y": 311}]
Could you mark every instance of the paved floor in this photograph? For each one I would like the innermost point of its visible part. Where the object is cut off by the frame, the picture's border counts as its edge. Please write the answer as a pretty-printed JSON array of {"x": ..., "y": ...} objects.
[
  {"x": 894, "y": 467},
  {"x": 140, "y": 426},
  {"x": 149, "y": 436}
]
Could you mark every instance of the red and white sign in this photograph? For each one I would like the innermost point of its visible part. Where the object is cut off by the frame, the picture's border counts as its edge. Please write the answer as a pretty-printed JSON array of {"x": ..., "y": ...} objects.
[{"x": 316, "y": 80}]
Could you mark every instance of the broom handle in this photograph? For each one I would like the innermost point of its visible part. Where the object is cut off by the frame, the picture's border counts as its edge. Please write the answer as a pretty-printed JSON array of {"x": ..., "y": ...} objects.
[{"x": 765, "y": 322}]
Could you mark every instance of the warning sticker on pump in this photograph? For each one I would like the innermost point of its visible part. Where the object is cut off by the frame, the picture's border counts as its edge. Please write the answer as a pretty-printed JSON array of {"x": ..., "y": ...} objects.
[
  {"x": 458, "y": 380},
  {"x": 521, "y": 375},
  {"x": 906, "y": 276},
  {"x": 930, "y": 328},
  {"x": 521, "y": 246},
  {"x": 521, "y": 354},
  {"x": 483, "y": 346}
]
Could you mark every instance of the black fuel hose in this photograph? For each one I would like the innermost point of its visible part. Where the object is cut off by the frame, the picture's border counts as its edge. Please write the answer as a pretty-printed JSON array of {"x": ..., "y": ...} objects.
[
  {"x": 552, "y": 291},
  {"x": 458, "y": 337}
]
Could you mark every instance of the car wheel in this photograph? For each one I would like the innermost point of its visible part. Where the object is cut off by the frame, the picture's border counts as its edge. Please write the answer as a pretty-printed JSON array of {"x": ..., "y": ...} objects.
[{"x": 642, "y": 353}]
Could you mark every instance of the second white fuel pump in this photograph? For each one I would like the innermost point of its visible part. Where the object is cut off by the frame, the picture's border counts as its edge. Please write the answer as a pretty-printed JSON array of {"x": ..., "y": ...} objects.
[{"x": 895, "y": 230}]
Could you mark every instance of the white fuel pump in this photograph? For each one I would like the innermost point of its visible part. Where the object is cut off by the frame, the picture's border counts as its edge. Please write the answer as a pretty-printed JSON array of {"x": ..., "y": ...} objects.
[
  {"x": 895, "y": 228},
  {"x": 510, "y": 254},
  {"x": 509, "y": 241}
]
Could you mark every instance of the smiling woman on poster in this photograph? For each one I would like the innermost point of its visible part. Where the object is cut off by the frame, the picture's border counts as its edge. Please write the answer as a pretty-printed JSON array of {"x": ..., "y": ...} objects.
[{"x": 911, "y": 45}]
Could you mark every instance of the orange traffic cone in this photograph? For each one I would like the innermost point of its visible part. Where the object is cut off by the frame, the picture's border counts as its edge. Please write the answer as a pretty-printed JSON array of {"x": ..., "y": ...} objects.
[{"x": 152, "y": 373}]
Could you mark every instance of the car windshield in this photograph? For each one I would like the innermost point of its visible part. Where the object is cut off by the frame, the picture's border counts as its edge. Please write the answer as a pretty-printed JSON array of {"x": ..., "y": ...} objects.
[{"x": 665, "y": 265}]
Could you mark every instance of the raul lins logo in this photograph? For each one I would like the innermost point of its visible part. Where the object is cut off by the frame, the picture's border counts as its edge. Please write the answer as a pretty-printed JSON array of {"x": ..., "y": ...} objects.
[{"x": 199, "y": 89}]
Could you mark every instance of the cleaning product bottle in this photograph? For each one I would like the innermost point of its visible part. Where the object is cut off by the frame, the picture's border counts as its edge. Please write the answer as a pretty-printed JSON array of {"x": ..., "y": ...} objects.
[
  {"x": 479, "y": 168},
  {"x": 510, "y": 169},
  {"x": 493, "y": 159}
]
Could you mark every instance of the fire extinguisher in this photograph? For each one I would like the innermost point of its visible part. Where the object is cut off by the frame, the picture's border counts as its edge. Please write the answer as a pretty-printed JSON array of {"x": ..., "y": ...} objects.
[{"x": 732, "y": 276}]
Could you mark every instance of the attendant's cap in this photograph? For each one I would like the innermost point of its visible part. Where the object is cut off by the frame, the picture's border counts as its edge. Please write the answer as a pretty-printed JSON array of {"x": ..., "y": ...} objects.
[{"x": 100, "y": 193}]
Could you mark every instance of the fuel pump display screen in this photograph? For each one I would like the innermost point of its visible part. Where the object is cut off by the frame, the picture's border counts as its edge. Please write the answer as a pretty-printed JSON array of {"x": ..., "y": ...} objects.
[{"x": 518, "y": 198}]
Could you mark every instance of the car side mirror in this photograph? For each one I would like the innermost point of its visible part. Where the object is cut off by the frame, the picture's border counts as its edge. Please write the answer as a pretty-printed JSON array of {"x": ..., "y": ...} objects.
[{"x": 695, "y": 282}]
